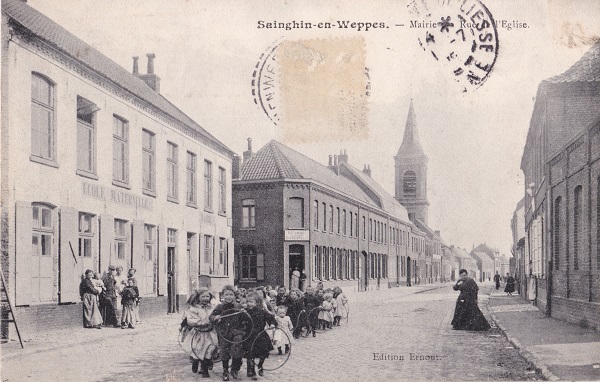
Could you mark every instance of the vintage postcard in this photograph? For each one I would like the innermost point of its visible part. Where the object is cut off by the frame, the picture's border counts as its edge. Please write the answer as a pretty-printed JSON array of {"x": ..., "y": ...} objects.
[{"x": 300, "y": 190}]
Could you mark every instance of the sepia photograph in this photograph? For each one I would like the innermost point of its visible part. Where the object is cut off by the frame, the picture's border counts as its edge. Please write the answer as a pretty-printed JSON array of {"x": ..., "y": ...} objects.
[{"x": 301, "y": 190}]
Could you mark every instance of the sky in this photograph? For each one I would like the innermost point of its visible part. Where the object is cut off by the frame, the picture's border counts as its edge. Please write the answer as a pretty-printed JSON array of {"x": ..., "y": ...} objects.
[{"x": 206, "y": 54}]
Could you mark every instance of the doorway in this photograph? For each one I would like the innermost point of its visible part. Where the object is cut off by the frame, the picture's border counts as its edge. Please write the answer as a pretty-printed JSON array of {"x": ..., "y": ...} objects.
[
  {"x": 296, "y": 255},
  {"x": 408, "y": 271},
  {"x": 365, "y": 271},
  {"x": 171, "y": 293}
]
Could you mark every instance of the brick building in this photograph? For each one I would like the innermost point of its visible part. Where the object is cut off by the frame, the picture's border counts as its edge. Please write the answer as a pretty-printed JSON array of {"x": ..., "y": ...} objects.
[
  {"x": 334, "y": 222},
  {"x": 560, "y": 163},
  {"x": 485, "y": 264},
  {"x": 99, "y": 169}
]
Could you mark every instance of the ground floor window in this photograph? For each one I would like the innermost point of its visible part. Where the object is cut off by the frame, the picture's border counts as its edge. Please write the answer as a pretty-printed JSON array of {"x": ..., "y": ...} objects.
[{"x": 251, "y": 264}]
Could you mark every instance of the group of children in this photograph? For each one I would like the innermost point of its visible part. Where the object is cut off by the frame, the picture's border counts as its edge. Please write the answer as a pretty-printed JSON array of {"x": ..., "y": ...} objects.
[{"x": 251, "y": 323}]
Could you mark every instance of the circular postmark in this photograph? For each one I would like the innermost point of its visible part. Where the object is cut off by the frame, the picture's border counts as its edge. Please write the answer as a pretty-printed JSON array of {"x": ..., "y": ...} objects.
[
  {"x": 264, "y": 83},
  {"x": 459, "y": 34}
]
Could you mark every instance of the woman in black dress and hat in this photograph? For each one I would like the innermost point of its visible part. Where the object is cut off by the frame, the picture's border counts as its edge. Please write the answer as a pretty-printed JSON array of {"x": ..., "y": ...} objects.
[{"x": 467, "y": 315}]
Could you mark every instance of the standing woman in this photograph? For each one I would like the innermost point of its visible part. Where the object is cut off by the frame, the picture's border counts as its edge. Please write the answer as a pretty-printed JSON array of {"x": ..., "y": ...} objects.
[
  {"x": 510, "y": 284},
  {"x": 467, "y": 315},
  {"x": 89, "y": 295},
  {"x": 295, "y": 279}
]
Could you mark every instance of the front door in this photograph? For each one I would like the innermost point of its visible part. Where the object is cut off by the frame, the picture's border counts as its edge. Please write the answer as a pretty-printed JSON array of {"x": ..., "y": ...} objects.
[
  {"x": 365, "y": 270},
  {"x": 171, "y": 294},
  {"x": 408, "y": 271}
]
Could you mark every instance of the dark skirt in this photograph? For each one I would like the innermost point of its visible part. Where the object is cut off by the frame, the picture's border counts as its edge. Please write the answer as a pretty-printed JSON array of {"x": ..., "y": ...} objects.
[
  {"x": 258, "y": 345},
  {"x": 509, "y": 288},
  {"x": 467, "y": 316}
]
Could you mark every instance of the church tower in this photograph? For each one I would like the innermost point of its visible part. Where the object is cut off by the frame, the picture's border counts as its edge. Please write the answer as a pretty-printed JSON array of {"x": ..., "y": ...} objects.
[{"x": 411, "y": 171}]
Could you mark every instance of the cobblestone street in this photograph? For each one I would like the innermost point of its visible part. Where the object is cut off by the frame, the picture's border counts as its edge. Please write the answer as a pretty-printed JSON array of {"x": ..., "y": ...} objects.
[{"x": 391, "y": 335}]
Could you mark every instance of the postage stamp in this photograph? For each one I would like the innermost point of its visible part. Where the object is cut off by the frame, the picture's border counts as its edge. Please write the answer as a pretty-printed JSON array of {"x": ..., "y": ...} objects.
[
  {"x": 314, "y": 89},
  {"x": 461, "y": 35}
]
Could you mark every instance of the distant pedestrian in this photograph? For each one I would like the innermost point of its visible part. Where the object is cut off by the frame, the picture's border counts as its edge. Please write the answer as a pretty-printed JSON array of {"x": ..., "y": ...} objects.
[
  {"x": 510, "y": 284},
  {"x": 136, "y": 307},
  {"x": 89, "y": 295},
  {"x": 467, "y": 315},
  {"x": 497, "y": 280},
  {"x": 302, "y": 281}
]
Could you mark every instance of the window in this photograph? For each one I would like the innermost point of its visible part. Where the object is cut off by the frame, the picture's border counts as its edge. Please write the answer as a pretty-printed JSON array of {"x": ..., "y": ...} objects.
[
  {"x": 370, "y": 229},
  {"x": 148, "y": 158},
  {"x": 248, "y": 213},
  {"x": 43, "y": 132},
  {"x": 331, "y": 263},
  {"x": 43, "y": 231},
  {"x": 351, "y": 224},
  {"x": 340, "y": 264},
  {"x": 356, "y": 225},
  {"x": 316, "y": 260},
  {"x": 149, "y": 241},
  {"x": 338, "y": 220},
  {"x": 324, "y": 217},
  {"x": 223, "y": 261},
  {"x": 324, "y": 263},
  {"x": 331, "y": 218},
  {"x": 316, "y": 216},
  {"x": 86, "y": 234},
  {"x": 409, "y": 184},
  {"x": 557, "y": 207},
  {"x": 208, "y": 185},
  {"x": 295, "y": 213},
  {"x": 344, "y": 222},
  {"x": 120, "y": 150},
  {"x": 577, "y": 220},
  {"x": 251, "y": 264},
  {"x": 364, "y": 228},
  {"x": 121, "y": 235},
  {"x": 42, "y": 252},
  {"x": 147, "y": 273},
  {"x": 86, "y": 135},
  {"x": 222, "y": 191},
  {"x": 172, "y": 168},
  {"x": 191, "y": 179},
  {"x": 208, "y": 250}
]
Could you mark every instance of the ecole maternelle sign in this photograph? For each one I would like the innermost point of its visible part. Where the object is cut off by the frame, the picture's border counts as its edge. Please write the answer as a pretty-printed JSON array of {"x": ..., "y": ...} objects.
[{"x": 117, "y": 196}]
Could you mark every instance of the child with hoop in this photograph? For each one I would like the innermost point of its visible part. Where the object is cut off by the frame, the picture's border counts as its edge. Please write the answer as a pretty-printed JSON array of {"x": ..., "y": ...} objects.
[
  {"x": 257, "y": 343},
  {"x": 230, "y": 321},
  {"x": 326, "y": 313},
  {"x": 200, "y": 340}
]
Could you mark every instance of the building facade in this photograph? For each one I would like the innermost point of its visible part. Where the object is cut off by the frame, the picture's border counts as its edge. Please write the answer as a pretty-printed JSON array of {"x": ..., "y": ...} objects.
[
  {"x": 517, "y": 265},
  {"x": 333, "y": 222},
  {"x": 560, "y": 164},
  {"x": 99, "y": 169}
]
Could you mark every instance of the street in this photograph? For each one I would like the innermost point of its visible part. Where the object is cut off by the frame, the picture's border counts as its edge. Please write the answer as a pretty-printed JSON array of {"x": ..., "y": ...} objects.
[{"x": 390, "y": 335}]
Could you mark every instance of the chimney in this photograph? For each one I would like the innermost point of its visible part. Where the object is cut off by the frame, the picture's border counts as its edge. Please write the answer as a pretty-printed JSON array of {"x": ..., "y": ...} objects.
[
  {"x": 149, "y": 78},
  {"x": 437, "y": 233},
  {"x": 367, "y": 170},
  {"x": 248, "y": 153},
  {"x": 236, "y": 167},
  {"x": 330, "y": 160},
  {"x": 135, "y": 66},
  {"x": 343, "y": 157}
]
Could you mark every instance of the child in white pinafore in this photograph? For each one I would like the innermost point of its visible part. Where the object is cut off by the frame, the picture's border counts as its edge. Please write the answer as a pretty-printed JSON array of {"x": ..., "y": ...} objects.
[
  {"x": 326, "y": 313},
  {"x": 285, "y": 324}
]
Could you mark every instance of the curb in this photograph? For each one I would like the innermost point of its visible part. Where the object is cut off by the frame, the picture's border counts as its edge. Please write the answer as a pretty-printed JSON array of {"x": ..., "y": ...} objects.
[{"x": 533, "y": 362}]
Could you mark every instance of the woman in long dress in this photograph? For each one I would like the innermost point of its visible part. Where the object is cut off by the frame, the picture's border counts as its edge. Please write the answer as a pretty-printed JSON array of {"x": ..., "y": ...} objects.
[
  {"x": 89, "y": 295},
  {"x": 467, "y": 315},
  {"x": 510, "y": 284},
  {"x": 295, "y": 280}
]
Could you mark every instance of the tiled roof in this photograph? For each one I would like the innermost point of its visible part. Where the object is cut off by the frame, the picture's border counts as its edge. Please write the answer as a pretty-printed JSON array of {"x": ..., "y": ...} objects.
[
  {"x": 586, "y": 69},
  {"x": 389, "y": 203},
  {"x": 483, "y": 256},
  {"x": 277, "y": 161},
  {"x": 58, "y": 37}
]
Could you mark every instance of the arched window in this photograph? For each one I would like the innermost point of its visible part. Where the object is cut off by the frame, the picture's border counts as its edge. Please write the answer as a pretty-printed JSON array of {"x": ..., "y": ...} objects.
[
  {"x": 409, "y": 184},
  {"x": 43, "y": 131}
]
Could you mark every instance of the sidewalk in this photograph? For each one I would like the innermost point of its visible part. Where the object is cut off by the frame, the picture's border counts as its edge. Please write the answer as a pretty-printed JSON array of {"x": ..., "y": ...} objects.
[{"x": 557, "y": 349}]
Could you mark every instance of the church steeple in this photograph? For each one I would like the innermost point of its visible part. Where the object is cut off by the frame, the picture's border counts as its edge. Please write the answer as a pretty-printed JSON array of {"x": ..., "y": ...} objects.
[
  {"x": 411, "y": 146},
  {"x": 411, "y": 171}
]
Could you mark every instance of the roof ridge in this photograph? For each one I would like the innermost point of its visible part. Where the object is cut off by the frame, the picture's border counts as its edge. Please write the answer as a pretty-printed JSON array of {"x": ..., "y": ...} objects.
[{"x": 280, "y": 158}]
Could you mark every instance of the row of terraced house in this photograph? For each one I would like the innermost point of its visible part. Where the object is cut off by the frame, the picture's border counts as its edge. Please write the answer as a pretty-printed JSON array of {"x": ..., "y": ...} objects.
[{"x": 99, "y": 169}]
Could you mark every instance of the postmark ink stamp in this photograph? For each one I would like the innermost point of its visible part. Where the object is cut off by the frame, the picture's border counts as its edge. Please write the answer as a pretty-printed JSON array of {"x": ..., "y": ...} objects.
[{"x": 459, "y": 34}]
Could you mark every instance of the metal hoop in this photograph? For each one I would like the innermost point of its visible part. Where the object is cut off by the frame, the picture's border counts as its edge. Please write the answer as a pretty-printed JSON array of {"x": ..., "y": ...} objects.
[
  {"x": 289, "y": 341},
  {"x": 239, "y": 311},
  {"x": 347, "y": 310}
]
